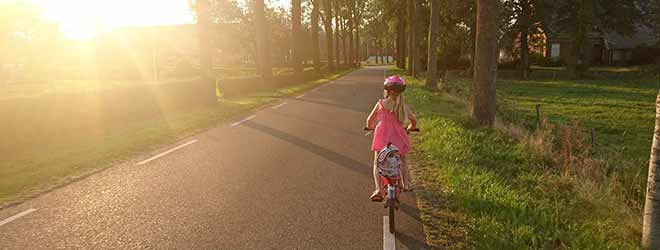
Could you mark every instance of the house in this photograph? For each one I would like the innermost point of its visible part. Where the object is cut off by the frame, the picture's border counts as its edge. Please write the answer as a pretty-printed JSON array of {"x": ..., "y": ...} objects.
[{"x": 608, "y": 48}]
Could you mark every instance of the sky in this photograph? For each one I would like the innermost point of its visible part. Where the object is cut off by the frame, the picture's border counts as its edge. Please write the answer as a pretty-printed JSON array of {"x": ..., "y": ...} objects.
[{"x": 81, "y": 19}]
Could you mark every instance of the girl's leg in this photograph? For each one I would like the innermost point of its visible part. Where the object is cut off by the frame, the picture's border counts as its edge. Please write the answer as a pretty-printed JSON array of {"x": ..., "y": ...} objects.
[
  {"x": 377, "y": 180},
  {"x": 404, "y": 173}
]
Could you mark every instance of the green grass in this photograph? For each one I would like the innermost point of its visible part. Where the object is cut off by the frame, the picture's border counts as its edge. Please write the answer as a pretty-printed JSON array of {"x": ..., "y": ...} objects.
[
  {"x": 20, "y": 90},
  {"x": 621, "y": 111},
  {"x": 67, "y": 160},
  {"x": 40, "y": 87},
  {"x": 489, "y": 189}
]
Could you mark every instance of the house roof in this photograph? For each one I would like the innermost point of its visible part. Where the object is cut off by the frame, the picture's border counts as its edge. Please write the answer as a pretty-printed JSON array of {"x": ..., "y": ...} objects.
[{"x": 643, "y": 35}]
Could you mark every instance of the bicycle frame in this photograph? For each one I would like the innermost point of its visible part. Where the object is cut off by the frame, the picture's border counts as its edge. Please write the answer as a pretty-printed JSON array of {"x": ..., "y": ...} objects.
[
  {"x": 392, "y": 201},
  {"x": 393, "y": 190}
]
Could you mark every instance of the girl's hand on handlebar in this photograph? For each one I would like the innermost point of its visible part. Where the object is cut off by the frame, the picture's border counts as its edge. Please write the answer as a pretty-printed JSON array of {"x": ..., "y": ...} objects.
[
  {"x": 412, "y": 129},
  {"x": 367, "y": 131}
]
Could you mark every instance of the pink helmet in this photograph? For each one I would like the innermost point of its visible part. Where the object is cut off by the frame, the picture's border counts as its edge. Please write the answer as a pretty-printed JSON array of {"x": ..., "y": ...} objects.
[{"x": 395, "y": 82}]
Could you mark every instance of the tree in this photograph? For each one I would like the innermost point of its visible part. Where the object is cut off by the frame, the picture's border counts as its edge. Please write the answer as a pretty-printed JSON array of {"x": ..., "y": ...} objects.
[
  {"x": 651, "y": 217},
  {"x": 16, "y": 16},
  {"x": 336, "y": 9},
  {"x": 651, "y": 226},
  {"x": 203, "y": 8},
  {"x": 524, "y": 21},
  {"x": 262, "y": 30},
  {"x": 485, "y": 68},
  {"x": 296, "y": 34},
  {"x": 316, "y": 53},
  {"x": 412, "y": 37},
  {"x": 419, "y": 22},
  {"x": 327, "y": 23},
  {"x": 401, "y": 36},
  {"x": 351, "y": 28},
  {"x": 431, "y": 77}
]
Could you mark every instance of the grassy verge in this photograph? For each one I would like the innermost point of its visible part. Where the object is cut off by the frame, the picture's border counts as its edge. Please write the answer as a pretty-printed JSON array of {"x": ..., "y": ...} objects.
[
  {"x": 66, "y": 161},
  {"x": 512, "y": 188}
]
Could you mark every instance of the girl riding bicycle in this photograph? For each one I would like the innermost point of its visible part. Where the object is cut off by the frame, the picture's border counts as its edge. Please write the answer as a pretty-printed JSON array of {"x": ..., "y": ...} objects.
[{"x": 391, "y": 113}]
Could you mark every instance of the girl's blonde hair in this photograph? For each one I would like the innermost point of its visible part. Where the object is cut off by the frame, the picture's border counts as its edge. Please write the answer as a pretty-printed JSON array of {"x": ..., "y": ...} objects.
[{"x": 399, "y": 110}]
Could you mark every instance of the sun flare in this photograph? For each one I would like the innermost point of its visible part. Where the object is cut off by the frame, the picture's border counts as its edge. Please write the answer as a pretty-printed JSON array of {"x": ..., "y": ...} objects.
[{"x": 82, "y": 19}]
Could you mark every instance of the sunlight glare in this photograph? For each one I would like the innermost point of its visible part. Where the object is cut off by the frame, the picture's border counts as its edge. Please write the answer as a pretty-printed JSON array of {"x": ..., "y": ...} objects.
[{"x": 81, "y": 19}]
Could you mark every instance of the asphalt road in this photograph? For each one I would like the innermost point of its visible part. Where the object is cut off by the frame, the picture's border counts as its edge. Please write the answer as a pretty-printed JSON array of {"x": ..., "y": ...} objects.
[{"x": 295, "y": 176}]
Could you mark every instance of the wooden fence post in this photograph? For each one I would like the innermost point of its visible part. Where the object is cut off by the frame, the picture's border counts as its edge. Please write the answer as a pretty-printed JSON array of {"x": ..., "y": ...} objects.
[
  {"x": 593, "y": 138},
  {"x": 538, "y": 116},
  {"x": 515, "y": 112}
]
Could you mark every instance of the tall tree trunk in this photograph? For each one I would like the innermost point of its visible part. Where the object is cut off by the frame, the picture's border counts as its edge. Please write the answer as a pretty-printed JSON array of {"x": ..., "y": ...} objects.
[
  {"x": 412, "y": 50},
  {"x": 351, "y": 46},
  {"x": 473, "y": 49},
  {"x": 338, "y": 35},
  {"x": 581, "y": 55},
  {"x": 377, "y": 59},
  {"x": 263, "y": 51},
  {"x": 420, "y": 65},
  {"x": 379, "y": 48},
  {"x": 401, "y": 43},
  {"x": 524, "y": 54},
  {"x": 434, "y": 27},
  {"x": 388, "y": 52},
  {"x": 336, "y": 7},
  {"x": 296, "y": 37},
  {"x": 316, "y": 50},
  {"x": 483, "y": 98},
  {"x": 525, "y": 23},
  {"x": 205, "y": 52},
  {"x": 383, "y": 51},
  {"x": 356, "y": 39},
  {"x": 651, "y": 226},
  {"x": 358, "y": 45},
  {"x": 327, "y": 23},
  {"x": 343, "y": 42}
]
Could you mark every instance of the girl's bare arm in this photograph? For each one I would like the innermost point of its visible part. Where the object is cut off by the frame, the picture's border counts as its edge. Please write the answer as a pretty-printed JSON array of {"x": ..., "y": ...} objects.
[
  {"x": 411, "y": 116},
  {"x": 372, "y": 117}
]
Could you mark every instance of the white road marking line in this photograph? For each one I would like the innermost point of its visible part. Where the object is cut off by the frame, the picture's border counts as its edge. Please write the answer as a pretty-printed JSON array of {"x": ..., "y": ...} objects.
[
  {"x": 389, "y": 242},
  {"x": 279, "y": 105},
  {"x": 242, "y": 121},
  {"x": 300, "y": 96},
  {"x": 21, "y": 214},
  {"x": 166, "y": 152}
]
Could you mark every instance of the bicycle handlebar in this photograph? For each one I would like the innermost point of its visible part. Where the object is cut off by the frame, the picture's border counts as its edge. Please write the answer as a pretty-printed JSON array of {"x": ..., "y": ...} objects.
[{"x": 411, "y": 130}]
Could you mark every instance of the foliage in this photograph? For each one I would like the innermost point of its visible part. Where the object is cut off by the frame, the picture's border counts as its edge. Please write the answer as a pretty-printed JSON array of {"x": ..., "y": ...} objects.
[
  {"x": 504, "y": 182},
  {"x": 27, "y": 40}
]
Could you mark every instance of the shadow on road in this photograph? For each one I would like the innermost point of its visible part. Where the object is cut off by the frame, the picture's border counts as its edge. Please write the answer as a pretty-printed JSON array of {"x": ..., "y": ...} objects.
[
  {"x": 410, "y": 242},
  {"x": 357, "y": 132},
  {"x": 352, "y": 108},
  {"x": 411, "y": 211},
  {"x": 325, "y": 153}
]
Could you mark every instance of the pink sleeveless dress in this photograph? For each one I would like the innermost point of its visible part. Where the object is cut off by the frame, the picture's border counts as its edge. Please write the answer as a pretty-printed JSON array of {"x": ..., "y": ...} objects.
[{"x": 389, "y": 130}]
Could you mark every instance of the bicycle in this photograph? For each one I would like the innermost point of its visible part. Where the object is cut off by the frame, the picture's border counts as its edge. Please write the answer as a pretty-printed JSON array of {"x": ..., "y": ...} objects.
[{"x": 393, "y": 190}]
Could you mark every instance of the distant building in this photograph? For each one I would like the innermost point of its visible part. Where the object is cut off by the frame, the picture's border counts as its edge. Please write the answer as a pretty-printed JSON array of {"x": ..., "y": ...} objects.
[{"x": 608, "y": 48}]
